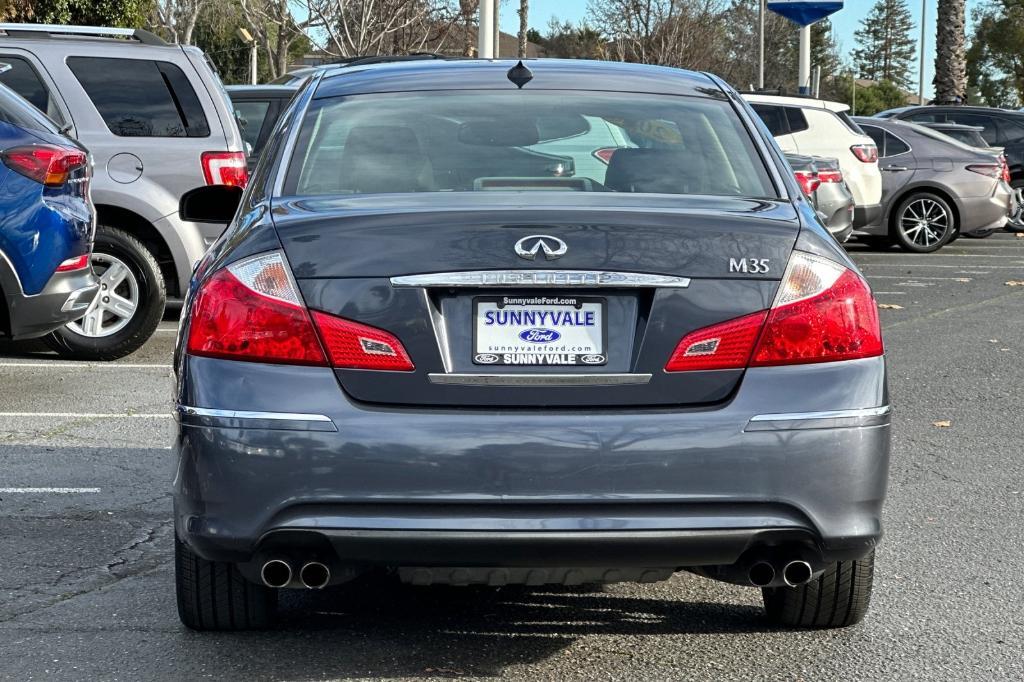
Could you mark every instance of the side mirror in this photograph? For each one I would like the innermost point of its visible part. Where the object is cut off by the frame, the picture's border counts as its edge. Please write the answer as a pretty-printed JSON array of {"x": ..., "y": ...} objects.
[{"x": 211, "y": 204}]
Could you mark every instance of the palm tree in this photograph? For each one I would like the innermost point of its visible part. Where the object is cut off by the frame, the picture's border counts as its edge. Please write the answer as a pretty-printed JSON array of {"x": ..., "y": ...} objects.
[
  {"x": 524, "y": 13},
  {"x": 950, "y": 52}
]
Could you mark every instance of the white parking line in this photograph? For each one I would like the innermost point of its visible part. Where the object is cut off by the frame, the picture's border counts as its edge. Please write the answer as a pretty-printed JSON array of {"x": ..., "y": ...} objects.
[
  {"x": 88, "y": 415},
  {"x": 914, "y": 279},
  {"x": 930, "y": 265},
  {"x": 46, "y": 491},
  {"x": 43, "y": 364}
]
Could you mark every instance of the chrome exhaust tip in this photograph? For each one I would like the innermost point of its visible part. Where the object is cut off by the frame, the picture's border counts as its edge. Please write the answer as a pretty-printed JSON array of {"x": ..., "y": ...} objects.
[
  {"x": 315, "y": 575},
  {"x": 797, "y": 573},
  {"x": 276, "y": 573},
  {"x": 761, "y": 574}
]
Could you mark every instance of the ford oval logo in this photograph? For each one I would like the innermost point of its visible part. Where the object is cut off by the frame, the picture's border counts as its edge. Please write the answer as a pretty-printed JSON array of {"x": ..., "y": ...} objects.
[
  {"x": 539, "y": 335},
  {"x": 486, "y": 358}
]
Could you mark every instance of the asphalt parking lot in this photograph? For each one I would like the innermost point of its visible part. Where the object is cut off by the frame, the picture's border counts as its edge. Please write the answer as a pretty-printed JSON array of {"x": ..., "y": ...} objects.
[{"x": 86, "y": 572}]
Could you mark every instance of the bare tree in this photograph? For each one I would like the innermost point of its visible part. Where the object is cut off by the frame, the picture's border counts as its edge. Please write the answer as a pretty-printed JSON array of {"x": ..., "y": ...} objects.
[
  {"x": 366, "y": 27},
  {"x": 177, "y": 18},
  {"x": 468, "y": 12},
  {"x": 273, "y": 25},
  {"x": 950, "y": 52},
  {"x": 524, "y": 25}
]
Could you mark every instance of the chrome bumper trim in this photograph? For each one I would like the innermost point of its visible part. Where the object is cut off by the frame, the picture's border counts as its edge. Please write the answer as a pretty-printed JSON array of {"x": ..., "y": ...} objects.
[
  {"x": 540, "y": 379},
  {"x": 205, "y": 416},
  {"x": 541, "y": 278},
  {"x": 826, "y": 419},
  {"x": 74, "y": 302}
]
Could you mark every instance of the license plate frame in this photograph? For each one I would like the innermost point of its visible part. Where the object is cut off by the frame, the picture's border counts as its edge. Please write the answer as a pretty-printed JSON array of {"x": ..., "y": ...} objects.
[{"x": 548, "y": 302}]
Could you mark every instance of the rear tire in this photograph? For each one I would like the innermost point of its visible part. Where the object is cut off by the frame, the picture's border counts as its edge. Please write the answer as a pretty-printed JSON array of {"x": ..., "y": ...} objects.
[
  {"x": 923, "y": 223},
  {"x": 142, "y": 285},
  {"x": 985, "y": 234},
  {"x": 837, "y": 599},
  {"x": 213, "y": 595}
]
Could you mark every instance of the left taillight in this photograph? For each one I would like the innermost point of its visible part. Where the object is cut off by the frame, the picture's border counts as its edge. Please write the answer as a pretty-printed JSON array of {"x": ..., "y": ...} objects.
[
  {"x": 823, "y": 312},
  {"x": 49, "y": 165},
  {"x": 251, "y": 310},
  {"x": 225, "y": 168}
]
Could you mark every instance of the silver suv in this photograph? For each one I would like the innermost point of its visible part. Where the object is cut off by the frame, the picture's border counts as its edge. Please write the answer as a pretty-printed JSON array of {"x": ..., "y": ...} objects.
[{"x": 158, "y": 123}]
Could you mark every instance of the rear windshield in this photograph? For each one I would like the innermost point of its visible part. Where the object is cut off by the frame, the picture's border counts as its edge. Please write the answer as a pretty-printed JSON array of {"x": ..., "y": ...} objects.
[{"x": 463, "y": 141}]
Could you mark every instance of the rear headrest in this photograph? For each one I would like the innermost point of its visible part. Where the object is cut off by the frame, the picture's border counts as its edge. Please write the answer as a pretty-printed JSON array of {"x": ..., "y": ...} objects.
[
  {"x": 656, "y": 171},
  {"x": 380, "y": 139},
  {"x": 382, "y": 158}
]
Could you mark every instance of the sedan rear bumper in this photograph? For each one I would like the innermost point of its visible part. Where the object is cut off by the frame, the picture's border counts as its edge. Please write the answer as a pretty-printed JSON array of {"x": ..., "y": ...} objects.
[{"x": 472, "y": 487}]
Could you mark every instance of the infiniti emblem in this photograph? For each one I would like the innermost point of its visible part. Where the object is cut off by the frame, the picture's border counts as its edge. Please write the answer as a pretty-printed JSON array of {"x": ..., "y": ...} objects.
[{"x": 553, "y": 247}]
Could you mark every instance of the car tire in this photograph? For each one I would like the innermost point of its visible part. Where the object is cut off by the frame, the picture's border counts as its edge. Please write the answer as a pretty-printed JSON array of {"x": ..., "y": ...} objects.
[
  {"x": 917, "y": 221},
  {"x": 838, "y": 598},
  {"x": 984, "y": 234},
  {"x": 115, "y": 335},
  {"x": 213, "y": 595}
]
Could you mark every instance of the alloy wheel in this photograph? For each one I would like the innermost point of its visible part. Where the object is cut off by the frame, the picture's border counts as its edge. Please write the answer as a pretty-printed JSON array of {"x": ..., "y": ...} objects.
[
  {"x": 924, "y": 222},
  {"x": 116, "y": 301}
]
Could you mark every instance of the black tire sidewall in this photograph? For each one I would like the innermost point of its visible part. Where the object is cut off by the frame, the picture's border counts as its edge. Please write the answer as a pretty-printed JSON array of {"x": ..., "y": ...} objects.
[
  {"x": 152, "y": 299},
  {"x": 900, "y": 238}
]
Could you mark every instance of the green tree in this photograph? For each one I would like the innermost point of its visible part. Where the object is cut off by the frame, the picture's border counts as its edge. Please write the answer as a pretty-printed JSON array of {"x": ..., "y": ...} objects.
[
  {"x": 995, "y": 70},
  {"x": 128, "y": 13},
  {"x": 886, "y": 44},
  {"x": 568, "y": 41},
  {"x": 870, "y": 100}
]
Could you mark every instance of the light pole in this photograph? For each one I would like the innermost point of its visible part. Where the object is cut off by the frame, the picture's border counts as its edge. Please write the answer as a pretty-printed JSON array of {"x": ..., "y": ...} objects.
[
  {"x": 920, "y": 72},
  {"x": 760, "y": 31},
  {"x": 804, "y": 79},
  {"x": 247, "y": 38},
  {"x": 485, "y": 32}
]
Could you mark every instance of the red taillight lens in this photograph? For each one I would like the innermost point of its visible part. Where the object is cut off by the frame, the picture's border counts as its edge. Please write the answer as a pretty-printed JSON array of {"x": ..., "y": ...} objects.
[
  {"x": 992, "y": 170},
  {"x": 605, "y": 154},
  {"x": 868, "y": 153},
  {"x": 722, "y": 346},
  {"x": 808, "y": 180},
  {"x": 76, "y": 263},
  {"x": 351, "y": 345},
  {"x": 823, "y": 313},
  {"x": 46, "y": 164},
  {"x": 835, "y": 176},
  {"x": 225, "y": 168},
  {"x": 251, "y": 310},
  {"x": 1005, "y": 166}
]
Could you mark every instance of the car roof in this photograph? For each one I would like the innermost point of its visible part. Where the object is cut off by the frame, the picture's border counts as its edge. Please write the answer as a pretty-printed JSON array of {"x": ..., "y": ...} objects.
[
  {"x": 483, "y": 74},
  {"x": 262, "y": 89},
  {"x": 796, "y": 101},
  {"x": 959, "y": 107}
]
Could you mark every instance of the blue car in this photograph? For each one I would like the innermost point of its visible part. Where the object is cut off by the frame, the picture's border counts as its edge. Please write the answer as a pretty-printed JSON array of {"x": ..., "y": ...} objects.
[{"x": 46, "y": 223}]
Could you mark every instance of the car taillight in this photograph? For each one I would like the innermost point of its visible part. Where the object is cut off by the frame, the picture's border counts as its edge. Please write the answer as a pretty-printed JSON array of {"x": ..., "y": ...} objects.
[
  {"x": 868, "y": 153},
  {"x": 225, "y": 168},
  {"x": 605, "y": 154},
  {"x": 48, "y": 165},
  {"x": 251, "y": 310},
  {"x": 352, "y": 345},
  {"x": 76, "y": 263},
  {"x": 808, "y": 180},
  {"x": 1005, "y": 166},
  {"x": 992, "y": 170},
  {"x": 835, "y": 176},
  {"x": 823, "y": 312}
]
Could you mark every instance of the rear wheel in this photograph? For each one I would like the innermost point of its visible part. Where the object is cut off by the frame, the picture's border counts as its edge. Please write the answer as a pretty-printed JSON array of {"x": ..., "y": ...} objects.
[
  {"x": 923, "y": 223},
  {"x": 213, "y": 595},
  {"x": 126, "y": 310},
  {"x": 984, "y": 234},
  {"x": 838, "y": 598}
]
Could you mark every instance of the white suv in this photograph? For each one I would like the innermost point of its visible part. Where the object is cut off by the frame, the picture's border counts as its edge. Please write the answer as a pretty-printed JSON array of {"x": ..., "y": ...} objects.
[{"x": 815, "y": 127}]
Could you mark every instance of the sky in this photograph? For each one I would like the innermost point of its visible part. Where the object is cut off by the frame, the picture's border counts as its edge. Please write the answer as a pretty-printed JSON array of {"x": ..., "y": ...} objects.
[{"x": 846, "y": 21}]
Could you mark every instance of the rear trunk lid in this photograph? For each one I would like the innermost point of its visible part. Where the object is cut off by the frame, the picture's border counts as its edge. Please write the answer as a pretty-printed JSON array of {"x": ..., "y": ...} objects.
[{"x": 492, "y": 317}]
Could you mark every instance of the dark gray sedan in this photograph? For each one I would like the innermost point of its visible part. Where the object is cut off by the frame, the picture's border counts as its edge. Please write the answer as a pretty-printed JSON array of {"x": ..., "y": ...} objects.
[
  {"x": 411, "y": 352},
  {"x": 934, "y": 187}
]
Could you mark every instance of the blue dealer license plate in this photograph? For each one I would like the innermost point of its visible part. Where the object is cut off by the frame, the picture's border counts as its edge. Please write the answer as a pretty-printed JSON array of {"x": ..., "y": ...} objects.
[{"x": 539, "y": 330}]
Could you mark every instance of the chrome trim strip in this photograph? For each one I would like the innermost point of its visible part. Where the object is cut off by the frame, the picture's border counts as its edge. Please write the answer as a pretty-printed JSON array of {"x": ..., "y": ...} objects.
[
  {"x": 831, "y": 414},
  {"x": 540, "y": 379},
  {"x": 73, "y": 304},
  {"x": 541, "y": 278},
  {"x": 241, "y": 414}
]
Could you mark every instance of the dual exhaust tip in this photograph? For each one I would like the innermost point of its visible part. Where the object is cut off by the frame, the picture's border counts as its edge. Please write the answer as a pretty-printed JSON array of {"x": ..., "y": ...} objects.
[
  {"x": 794, "y": 573},
  {"x": 277, "y": 573}
]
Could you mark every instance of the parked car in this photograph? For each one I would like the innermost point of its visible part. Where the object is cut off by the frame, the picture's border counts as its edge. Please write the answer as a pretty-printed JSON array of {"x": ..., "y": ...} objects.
[
  {"x": 472, "y": 376},
  {"x": 1000, "y": 128},
  {"x": 46, "y": 226},
  {"x": 822, "y": 181},
  {"x": 257, "y": 108},
  {"x": 297, "y": 77},
  {"x": 968, "y": 135},
  {"x": 935, "y": 187},
  {"x": 814, "y": 127},
  {"x": 158, "y": 123}
]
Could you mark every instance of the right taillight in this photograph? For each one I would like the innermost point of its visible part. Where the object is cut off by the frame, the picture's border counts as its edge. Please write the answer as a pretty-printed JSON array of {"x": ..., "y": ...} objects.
[
  {"x": 225, "y": 168},
  {"x": 867, "y": 153},
  {"x": 823, "y": 312},
  {"x": 251, "y": 310}
]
